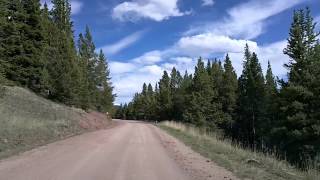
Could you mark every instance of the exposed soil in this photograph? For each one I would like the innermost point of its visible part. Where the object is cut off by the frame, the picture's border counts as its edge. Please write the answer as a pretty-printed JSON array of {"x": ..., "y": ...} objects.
[{"x": 95, "y": 121}]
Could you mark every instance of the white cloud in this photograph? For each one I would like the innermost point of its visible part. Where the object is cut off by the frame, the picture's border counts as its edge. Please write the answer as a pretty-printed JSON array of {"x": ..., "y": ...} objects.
[
  {"x": 247, "y": 20},
  {"x": 121, "y": 67},
  {"x": 209, "y": 43},
  {"x": 76, "y": 6},
  {"x": 129, "y": 77},
  {"x": 151, "y": 69},
  {"x": 149, "y": 57},
  {"x": 157, "y": 10},
  {"x": 207, "y": 2},
  {"x": 123, "y": 43},
  {"x": 274, "y": 53},
  {"x": 130, "y": 82},
  {"x": 181, "y": 63}
]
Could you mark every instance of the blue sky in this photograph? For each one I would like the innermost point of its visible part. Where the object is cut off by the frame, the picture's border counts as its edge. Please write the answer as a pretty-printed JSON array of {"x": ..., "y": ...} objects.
[{"x": 141, "y": 38}]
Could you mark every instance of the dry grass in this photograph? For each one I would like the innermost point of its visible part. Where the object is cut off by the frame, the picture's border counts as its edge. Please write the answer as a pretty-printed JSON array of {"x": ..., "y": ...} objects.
[
  {"x": 242, "y": 162},
  {"x": 28, "y": 120}
]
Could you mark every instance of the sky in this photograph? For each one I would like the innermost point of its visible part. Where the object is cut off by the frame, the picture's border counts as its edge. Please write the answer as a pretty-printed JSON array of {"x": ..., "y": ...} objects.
[{"x": 142, "y": 38}]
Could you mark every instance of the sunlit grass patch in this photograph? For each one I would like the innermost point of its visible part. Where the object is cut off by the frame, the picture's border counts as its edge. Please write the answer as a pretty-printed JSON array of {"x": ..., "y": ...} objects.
[
  {"x": 244, "y": 163},
  {"x": 28, "y": 120}
]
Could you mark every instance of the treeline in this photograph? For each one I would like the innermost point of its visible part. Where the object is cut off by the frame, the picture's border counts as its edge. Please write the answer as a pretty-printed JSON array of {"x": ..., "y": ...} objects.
[
  {"x": 38, "y": 51},
  {"x": 256, "y": 110}
]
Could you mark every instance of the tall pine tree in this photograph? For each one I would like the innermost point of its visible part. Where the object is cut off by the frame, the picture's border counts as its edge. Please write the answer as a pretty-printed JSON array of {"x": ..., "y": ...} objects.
[
  {"x": 229, "y": 87},
  {"x": 299, "y": 121}
]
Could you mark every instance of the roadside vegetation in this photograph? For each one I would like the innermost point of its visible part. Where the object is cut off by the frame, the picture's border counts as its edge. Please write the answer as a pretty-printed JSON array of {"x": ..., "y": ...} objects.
[
  {"x": 28, "y": 120},
  {"x": 257, "y": 109},
  {"x": 244, "y": 163}
]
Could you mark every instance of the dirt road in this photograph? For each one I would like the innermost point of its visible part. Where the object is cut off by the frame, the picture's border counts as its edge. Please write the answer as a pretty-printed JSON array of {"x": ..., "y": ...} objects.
[{"x": 129, "y": 151}]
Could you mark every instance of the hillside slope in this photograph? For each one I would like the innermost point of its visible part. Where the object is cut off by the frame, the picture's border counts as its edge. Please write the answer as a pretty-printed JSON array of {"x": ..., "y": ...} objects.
[{"x": 28, "y": 120}]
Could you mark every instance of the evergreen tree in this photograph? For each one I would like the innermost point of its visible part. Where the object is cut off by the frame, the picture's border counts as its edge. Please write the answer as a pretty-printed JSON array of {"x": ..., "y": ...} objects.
[
  {"x": 175, "y": 85},
  {"x": 271, "y": 106},
  {"x": 251, "y": 100},
  {"x": 61, "y": 15},
  {"x": 151, "y": 103},
  {"x": 22, "y": 42},
  {"x": 202, "y": 110},
  {"x": 299, "y": 121},
  {"x": 164, "y": 100},
  {"x": 271, "y": 90},
  {"x": 229, "y": 87},
  {"x": 11, "y": 23},
  {"x": 3, "y": 24},
  {"x": 65, "y": 69},
  {"x": 105, "y": 98},
  {"x": 144, "y": 89},
  {"x": 88, "y": 58}
]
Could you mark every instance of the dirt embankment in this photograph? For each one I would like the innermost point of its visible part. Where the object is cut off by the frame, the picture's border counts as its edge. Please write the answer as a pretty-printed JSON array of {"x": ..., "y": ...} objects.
[
  {"x": 28, "y": 120},
  {"x": 95, "y": 121}
]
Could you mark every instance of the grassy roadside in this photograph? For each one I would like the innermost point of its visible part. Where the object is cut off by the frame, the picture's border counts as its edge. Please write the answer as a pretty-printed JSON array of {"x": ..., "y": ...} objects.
[
  {"x": 28, "y": 121},
  {"x": 245, "y": 164}
]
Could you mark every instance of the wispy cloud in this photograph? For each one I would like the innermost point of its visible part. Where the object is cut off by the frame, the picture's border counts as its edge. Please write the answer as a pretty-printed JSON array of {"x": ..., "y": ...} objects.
[
  {"x": 123, "y": 43},
  {"x": 157, "y": 10},
  {"x": 246, "y": 20},
  {"x": 208, "y": 2}
]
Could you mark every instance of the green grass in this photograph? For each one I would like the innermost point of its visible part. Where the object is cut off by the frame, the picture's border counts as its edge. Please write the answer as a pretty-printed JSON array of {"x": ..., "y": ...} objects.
[
  {"x": 244, "y": 163},
  {"x": 27, "y": 121}
]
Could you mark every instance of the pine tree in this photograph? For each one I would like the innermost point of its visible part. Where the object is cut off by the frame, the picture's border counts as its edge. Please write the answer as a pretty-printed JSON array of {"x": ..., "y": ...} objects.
[
  {"x": 271, "y": 106},
  {"x": 296, "y": 47},
  {"x": 229, "y": 87},
  {"x": 209, "y": 67},
  {"x": 175, "y": 85},
  {"x": 65, "y": 69},
  {"x": 164, "y": 100},
  {"x": 11, "y": 50},
  {"x": 251, "y": 100},
  {"x": 298, "y": 126},
  {"x": 61, "y": 14},
  {"x": 202, "y": 110},
  {"x": 105, "y": 96},
  {"x": 32, "y": 64},
  {"x": 151, "y": 103},
  {"x": 89, "y": 60},
  {"x": 21, "y": 42},
  {"x": 3, "y": 24},
  {"x": 144, "y": 89}
]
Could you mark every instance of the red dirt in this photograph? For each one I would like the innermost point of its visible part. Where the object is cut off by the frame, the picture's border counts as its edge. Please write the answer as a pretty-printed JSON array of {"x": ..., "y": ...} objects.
[{"x": 95, "y": 121}]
